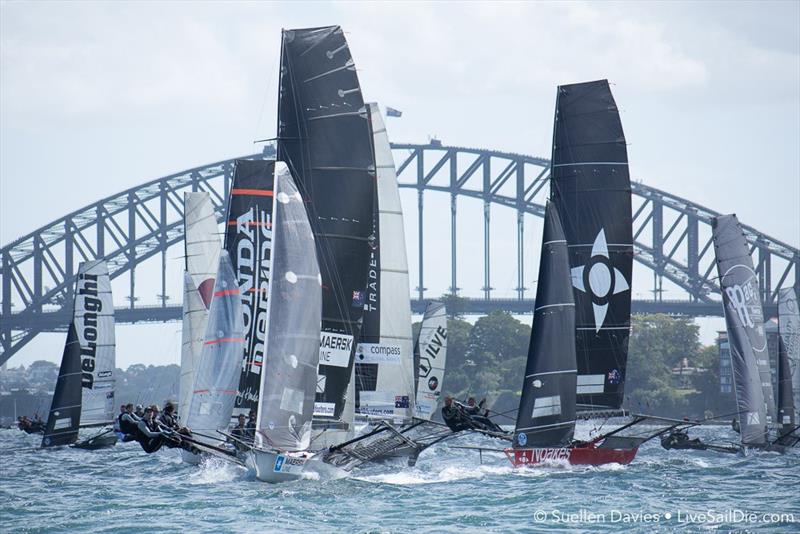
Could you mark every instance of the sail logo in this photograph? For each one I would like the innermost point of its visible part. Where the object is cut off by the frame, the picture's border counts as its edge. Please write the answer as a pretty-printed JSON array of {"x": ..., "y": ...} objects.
[
  {"x": 600, "y": 279},
  {"x": 90, "y": 310},
  {"x": 335, "y": 349},
  {"x": 432, "y": 350},
  {"x": 378, "y": 353},
  {"x": 742, "y": 300},
  {"x": 535, "y": 456}
]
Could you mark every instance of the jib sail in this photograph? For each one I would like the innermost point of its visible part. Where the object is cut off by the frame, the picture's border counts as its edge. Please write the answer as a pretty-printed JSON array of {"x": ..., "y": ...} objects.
[
  {"x": 64, "y": 418},
  {"x": 248, "y": 240},
  {"x": 745, "y": 325},
  {"x": 591, "y": 189},
  {"x": 430, "y": 356},
  {"x": 289, "y": 379},
  {"x": 325, "y": 139},
  {"x": 384, "y": 361},
  {"x": 546, "y": 416}
]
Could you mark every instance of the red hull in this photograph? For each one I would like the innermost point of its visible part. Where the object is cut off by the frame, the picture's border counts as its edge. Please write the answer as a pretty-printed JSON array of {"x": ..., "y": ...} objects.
[{"x": 588, "y": 454}]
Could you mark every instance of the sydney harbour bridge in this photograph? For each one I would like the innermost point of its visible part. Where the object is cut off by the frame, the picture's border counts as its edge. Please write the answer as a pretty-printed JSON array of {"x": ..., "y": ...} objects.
[{"x": 672, "y": 238}]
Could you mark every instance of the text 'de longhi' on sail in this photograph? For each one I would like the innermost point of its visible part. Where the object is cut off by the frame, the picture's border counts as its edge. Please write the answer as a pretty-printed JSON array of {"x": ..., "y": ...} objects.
[
  {"x": 745, "y": 325},
  {"x": 288, "y": 382},
  {"x": 384, "y": 362},
  {"x": 546, "y": 416},
  {"x": 324, "y": 137},
  {"x": 430, "y": 357},
  {"x": 248, "y": 240},
  {"x": 591, "y": 189}
]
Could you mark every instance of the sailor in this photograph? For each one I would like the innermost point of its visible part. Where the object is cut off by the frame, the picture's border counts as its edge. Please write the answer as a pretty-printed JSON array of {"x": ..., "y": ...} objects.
[
  {"x": 240, "y": 433},
  {"x": 139, "y": 411},
  {"x": 472, "y": 409},
  {"x": 167, "y": 417},
  {"x": 149, "y": 437},
  {"x": 128, "y": 424},
  {"x": 735, "y": 425},
  {"x": 116, "y": 421},
  {"x": 250, "y": 427},
  {"x": 480, "y": 421},
  {"x": 454, "y": 415},
  {"x": 679, "y": 439}
]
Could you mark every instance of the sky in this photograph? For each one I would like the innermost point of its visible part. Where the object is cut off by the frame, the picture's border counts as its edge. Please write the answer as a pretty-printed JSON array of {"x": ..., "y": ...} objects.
[{"x": 97, "y": 97}]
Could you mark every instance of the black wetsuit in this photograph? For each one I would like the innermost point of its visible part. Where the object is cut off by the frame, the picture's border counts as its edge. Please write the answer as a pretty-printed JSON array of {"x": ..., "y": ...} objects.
[
  {"x": 128, "y": 426},
  {"x": 151, "y": 440},
  {"x": 679, "y": 439},
  {"x": 455, "y": 418}
]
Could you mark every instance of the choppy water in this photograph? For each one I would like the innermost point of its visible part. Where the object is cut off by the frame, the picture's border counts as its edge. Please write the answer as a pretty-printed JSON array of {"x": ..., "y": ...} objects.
[{"x": 124, "y": 490}]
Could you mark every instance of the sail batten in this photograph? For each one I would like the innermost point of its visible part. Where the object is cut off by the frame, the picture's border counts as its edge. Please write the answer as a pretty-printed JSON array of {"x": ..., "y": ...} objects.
[
  {"x": 590, "y": 186},
  {"x": 333, "y": 164}
]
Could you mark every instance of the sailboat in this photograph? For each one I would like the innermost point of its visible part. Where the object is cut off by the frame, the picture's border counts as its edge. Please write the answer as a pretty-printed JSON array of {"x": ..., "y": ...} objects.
[
  {"x": 325, "y": 139},
  {"x": 788, "y": 367},
  {"x": 430, "y": 357},
  {"x": 291, "y": 340},
  {"x": 84, "y": 393},
  {"x": 202, "y": 248},
  {"x": 384, "y": 360},
  {"x": 216, "y": 371}
]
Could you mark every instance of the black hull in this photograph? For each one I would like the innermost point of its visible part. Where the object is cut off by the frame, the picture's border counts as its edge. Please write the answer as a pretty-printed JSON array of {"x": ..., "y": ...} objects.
[{"x": 100, "y": 442}]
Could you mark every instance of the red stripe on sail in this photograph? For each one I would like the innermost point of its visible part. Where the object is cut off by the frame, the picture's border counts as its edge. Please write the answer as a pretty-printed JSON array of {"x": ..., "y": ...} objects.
[
  {"x": 226, "y": 292},
  {"x": 252, "y": 192},
  {"x": 224, "y": 340}
]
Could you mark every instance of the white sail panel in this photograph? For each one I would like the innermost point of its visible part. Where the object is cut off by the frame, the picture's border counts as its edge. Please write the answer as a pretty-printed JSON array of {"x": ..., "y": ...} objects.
[
  {"x": 217, "y": 371},
  {"x": 94, "y": 323},
  {"x": 393, "y": 393},
  {"x": 195, "y": 318},
  {"x": 789, "y": 328},
  {"x": 431, "y": 351},
  {"x": 289, "y": 377},
  {"x": 202, "y": 242}
]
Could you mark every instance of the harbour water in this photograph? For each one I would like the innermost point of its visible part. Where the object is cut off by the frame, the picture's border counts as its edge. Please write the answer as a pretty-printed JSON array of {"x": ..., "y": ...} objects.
[{"x": 124, "y": 490}]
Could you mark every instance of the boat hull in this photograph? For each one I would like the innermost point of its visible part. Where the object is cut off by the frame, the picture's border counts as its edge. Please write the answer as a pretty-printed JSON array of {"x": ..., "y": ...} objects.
[
  {"x": 100, "y": 442},
  {"x": 276, "y": 467},
  {"x": 588, "y": 454}
]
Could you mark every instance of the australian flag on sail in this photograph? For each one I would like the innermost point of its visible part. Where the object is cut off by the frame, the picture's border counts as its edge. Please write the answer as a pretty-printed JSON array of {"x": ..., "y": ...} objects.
[{"x": 391, "y": 112}]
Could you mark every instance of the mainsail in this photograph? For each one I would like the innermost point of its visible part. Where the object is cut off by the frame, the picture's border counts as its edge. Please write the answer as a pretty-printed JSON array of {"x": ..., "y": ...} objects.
[
  {"x": 384, "y": 362},
  {"x": 745, "y": 325},
  {"x": 430, "y": 355},
  {"x": 324, "y": 137},
  {"x": 85, "y": 388},
  {"x": 217, "y": 371},
  {"x": 65, "y": 410},
  {"x": 288, "y": 381},
  {"x": 94, "y": 323},
  {"x": 546, "y": 416},
  {"x": 248, "y": 240},
  {"x": 592, "y": 191},
  {"x": 202, "y": 247},
  {"x": 789, "y": 327},
  {"x": 788, "y": 356}
]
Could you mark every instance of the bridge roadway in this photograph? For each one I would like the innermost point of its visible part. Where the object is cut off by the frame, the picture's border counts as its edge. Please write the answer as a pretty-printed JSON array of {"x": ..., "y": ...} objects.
[{"x": 57, "y": 320}]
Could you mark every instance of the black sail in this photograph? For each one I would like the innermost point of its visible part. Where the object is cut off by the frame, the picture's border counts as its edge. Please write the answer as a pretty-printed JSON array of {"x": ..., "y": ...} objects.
[
  {"x": 248, "y": 240},
  {"x": 592, "y": 191},
  {"x": 788, "y": 355},
  {"x": 324, "y": 136},
  {"x": 546, "y": 416},
  {"x": 64, "y": 418},
  {"x": 745, "y": 324},
  {"x": 786, "y": 410}
]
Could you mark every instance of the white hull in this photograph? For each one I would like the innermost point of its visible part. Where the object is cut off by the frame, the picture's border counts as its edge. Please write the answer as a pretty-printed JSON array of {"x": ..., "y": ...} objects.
[{"x": 276, "y": 467}]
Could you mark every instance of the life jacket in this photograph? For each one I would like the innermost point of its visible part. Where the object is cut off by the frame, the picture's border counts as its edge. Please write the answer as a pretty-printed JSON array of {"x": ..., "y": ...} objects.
[{"x": 126, "y": 426}]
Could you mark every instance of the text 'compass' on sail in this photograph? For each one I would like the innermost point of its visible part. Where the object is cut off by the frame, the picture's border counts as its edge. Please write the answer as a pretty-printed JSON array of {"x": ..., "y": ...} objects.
[
  {"x": 590, "y": 186},
  {"x": 248, "y": 240},
  {"x": 324, "y": 137},
  {"x": 744, "y": 319}
]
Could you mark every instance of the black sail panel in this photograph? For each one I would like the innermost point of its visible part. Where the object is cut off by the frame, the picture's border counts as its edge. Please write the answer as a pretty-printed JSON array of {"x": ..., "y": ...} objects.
[
  {"x": 248, "y": 240},
  {"x": 786, "y": 408},
  {"x": 591, "y": 189},
  {"x": 546, "y": 416},
  {"x": 64, "y": 418},
  {"x": 745, "y": 325},
  {"x": 324, "y": 136},
  {"x": 788, "y": 355}
]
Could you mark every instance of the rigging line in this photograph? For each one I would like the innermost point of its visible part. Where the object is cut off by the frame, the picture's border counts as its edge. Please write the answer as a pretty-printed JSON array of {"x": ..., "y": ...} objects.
[{"x": 266, "y": 93}]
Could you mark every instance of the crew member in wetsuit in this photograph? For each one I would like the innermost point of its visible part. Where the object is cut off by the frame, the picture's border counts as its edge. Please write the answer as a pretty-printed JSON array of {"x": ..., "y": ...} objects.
[
  {"x": 454, "y": 416},
  {"x": 480, "y": 421},
  {"x": 139, "y": 411},
  {"x": 240, "y": 433},
  {"x": 735, "y": 425},
  {"x": 679, "y": 439},
  {"x": 149, "y": 437},
  {"x": 116, "y": 421},
  {"x": 128, "y": 423},
  {"x": 250, "y": 427}
]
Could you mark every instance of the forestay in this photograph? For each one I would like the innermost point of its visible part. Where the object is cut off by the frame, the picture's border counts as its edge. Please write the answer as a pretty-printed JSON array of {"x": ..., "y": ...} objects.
[
  {"x": 430, "y": 357},
  {"x": 546, "y": 416},
  {"x": 384, "y": 361},
  {"x": 745, "y": 325},
  {"x": 325, "y": 139},
  {"x": 590, "y": 186},
  {"x": 288, "y": 380}
]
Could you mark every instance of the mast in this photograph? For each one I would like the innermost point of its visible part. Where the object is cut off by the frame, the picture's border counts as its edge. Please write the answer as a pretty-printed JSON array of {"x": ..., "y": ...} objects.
[
  {"x": 248, "y": 241},
  {"x": 217, "y": 373},
  {"x": 64, "y": 418},
  {"x": 94, "y": 324},
  {"x": 590, "y": 186},
  {"x": 546, "y": 416},
  {"x": 430, "y": 355},
  {"x": 202, "y": 248},
  {"x": 788, "y": 356},
  {"x": 745, "y": 325},
  {"x": 288, "y": 382},
  {"x": 325, "y": 139},
  {"x": 384, "y": 362}
]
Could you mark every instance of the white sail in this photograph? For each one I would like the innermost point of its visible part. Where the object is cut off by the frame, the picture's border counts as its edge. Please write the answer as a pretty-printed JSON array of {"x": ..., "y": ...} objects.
[
  {"x": 217, "y": 371},
  {"x": 789, "y": 328},
  {"x": 385, "y": 354},
  {"x": 431, "y": 350},
  {"x": 202, "y": 248},
  {"x": 289, "y": 376},
  {"x": 94, "y": 323}
]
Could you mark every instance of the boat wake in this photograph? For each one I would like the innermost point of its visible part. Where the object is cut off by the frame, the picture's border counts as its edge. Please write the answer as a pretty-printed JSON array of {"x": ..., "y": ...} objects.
[{"x": 215, "y": 471}]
